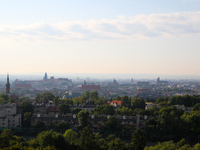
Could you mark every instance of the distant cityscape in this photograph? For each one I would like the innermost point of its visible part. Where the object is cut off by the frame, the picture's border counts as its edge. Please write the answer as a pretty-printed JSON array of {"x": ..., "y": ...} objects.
[{"x": 65, "y": 87}]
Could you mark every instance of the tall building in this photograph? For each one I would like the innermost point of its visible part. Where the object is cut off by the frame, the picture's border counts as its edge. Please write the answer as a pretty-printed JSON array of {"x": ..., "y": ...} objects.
[
  {"x": 45, "y": 76},
  {"x": 7, "y": 85},
  {"x": 132, "y": 81}
]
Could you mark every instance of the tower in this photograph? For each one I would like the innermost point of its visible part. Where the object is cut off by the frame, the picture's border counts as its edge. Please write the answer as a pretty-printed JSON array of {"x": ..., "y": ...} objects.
[
  {"x": 45, "y": 76},
  {"x": 7, "y": 85},
  {"x": 158, "y": 80},
  {"x": 84, "y": 82},
  {"x": 132, "y": 81}
]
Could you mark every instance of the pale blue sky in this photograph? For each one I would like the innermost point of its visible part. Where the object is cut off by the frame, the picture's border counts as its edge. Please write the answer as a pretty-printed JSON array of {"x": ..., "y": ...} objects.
[{"x": 107, "y": 36}]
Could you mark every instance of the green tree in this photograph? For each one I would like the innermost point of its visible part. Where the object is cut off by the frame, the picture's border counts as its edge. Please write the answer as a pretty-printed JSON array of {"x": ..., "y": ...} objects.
[
  {"x": 64, "y": 108},
  {"x": 71, "y": 137},
  {"x": 51, "y": 138},
  {"x": 111, "y": 125},
  {"x": 2, "y": 101},
  {"x": 83, "y": 119},
  {"x": 87, "y": 139},
  {"x": 7, "y": 133},
  {"x": 26, "y": 106},
  {"x": 104, "y": 109},
  {"x": 138, "y": 141},
  {"x": 37, "y": 98},
  {"x": 56, "y": 101},
  {"x": 160, "y": 99},
  {"x": 124, "y": 111},
  {"x": 196, "y": 107},
  {"x": 86, "y": 95},
  {"x": 63, "y": 125},
  {"x": 94, "y": 95},
  {"x": 45, "y": 97},
  {"x": 39, "y": 124},
  {"x": 137, "y": 103},
  {"x": 76, "y": 111},
  {"x": 27, "y": 119}
]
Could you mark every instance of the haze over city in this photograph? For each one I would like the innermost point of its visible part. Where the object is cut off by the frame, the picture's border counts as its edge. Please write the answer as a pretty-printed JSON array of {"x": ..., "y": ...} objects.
[{"x": 103, "y": 37}]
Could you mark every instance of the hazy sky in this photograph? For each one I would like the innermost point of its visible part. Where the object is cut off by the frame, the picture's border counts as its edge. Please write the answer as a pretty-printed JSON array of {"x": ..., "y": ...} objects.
[{"x": 100, "y": 36}]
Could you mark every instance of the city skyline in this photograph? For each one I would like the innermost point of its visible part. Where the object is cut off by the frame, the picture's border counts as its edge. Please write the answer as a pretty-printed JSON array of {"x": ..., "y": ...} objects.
[{"x": 131, "y": 37}]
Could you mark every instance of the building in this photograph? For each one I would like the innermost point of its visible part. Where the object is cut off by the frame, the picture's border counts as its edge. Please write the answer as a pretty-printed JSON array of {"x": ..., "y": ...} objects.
[
  {"x": 186, "y": 109},
  {"x": 116, "y": 103},
  {"x": 144, "y": 91},
  {"x": 96, "y": 121},
  {"x": 9, "y": 116},
  {"x": 86, "y": 87},
  {"x": 7, "y": 90},
  {"x": 142, "y": 83},
  {"x": 159, "y": 82},
  {"x": 45, "y": 77},
  {"x": 113, "y": 83},
  {"x": 23, "y": 86},
  {"x": 150, "y": 105}
]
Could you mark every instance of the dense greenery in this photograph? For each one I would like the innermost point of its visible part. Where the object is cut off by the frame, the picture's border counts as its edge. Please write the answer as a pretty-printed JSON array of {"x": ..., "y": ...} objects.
[
  {"x": 186, "y": 100},
  {"x": 104, "y": 109},
  {"x": 85, "y": 140}
]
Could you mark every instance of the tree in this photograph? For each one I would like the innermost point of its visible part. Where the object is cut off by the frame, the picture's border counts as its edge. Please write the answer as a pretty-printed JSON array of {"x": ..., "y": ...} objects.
[
  {"x": 109, "y": 110},
  {"x": 39, "y": 124},
  {"x": 160, "y": 99},
  {"x": 87, "y": 139},
  {"x": 2, "y": 101},
  {"x": 51, "y": 138},
  {"x": 44, "y": 97},
  {"x": 7, "y": 133},
  {"x": 124, "y": 111},
  {"x": 125, "y": 101},
  {"x": 63, "y": 125},
  {"x": 4, "y": 142},
  {"x": 56, "y": 101},
  {"x": 86, "y": 95},
  {"x": 94, "y": 95},
  {"x": 26, "y": 106},
  {"x": 71, "y": 137},
  {"x": 76, "y": 111},
  {"x": 138, "y": 141},
  {"x": 137, "y": 103},
  {"x": 37, "y": 98},
  {"x": 111, "y": 125},
  {"x": 83, "y": 119},
  {"x": 104, "y": 109},
  {"x": 64, "y": 108},
  {"x": 196, "y": 107},
  {"x": 27, "y": 119}
]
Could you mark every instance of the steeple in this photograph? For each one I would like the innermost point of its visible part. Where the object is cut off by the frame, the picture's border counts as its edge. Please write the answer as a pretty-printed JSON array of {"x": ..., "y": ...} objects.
[
  {"x": 7, "y": 85},
  {"x": 84, "y": 82}
]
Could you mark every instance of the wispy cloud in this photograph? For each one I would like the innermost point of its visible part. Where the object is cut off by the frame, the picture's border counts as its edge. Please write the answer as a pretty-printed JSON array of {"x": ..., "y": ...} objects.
[{"x": 124, "y": 28}]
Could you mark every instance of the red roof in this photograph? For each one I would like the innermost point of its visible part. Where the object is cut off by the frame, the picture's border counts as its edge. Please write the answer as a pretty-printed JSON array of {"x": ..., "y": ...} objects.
[
  {"x": 53, "y": 108},
  {"x": 90, "y": 87},
  {"x": 115, "y": 102},
  {"x": 23, "y": 86}
]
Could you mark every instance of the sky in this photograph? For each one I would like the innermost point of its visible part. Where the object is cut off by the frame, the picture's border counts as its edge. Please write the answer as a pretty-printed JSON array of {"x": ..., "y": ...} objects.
[{"x": 108, "y": 36}]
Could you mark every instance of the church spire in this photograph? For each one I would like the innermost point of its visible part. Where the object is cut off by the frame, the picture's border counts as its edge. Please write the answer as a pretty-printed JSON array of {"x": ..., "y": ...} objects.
[{"x": 7, "y": 85}]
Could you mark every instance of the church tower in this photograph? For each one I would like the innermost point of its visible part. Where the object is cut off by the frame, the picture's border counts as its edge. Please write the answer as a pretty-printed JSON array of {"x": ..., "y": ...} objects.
[
  {"x": 158, "y": 80},
  {"x": 7, "y": 85}
]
